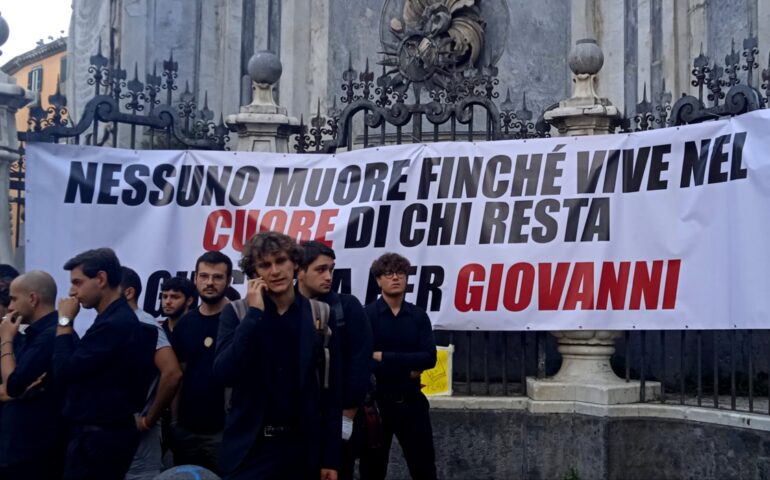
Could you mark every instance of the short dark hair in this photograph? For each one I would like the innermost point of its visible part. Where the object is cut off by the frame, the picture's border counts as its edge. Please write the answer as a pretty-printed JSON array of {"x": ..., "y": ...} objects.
[
  {"x": 97, "y": 260},
  {"x": 390, "y": 262},
  {"x": 8, "y": 271},
  {"x": 232, "y": 294},
  {"x": 130, "y": 279},
  {"x": 5, "y": 291},
  {"x": 313, "y": 249},
  {"x": 213, "y": 257},
  {"x": 268, "y": 243},
  {"x": 180, "y": 284}
]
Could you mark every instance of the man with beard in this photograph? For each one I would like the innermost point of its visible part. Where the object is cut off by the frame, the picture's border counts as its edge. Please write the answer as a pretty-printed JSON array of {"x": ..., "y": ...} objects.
[
  {"x": 200, "y": 413},
  {"x": 106, "y": 373},
  {"x": 276, "y": 352},
  {"x": 403, "y": 347},
  {"x": 177, "y": 296},
  {"x": 314, "y": 280},
  {"x": 32, "y": 424}
]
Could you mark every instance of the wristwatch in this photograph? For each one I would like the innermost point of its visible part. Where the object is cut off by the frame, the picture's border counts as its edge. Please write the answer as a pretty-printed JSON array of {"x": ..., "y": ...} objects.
[{"x": 65, "y": 322}]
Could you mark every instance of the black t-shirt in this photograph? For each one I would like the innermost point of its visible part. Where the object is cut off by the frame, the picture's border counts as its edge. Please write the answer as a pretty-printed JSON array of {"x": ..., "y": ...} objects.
[{"x": 202, "y": 399}]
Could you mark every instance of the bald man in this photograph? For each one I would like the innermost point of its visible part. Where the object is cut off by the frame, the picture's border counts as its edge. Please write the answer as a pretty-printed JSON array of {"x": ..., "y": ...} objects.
[{"x": 31, "y": 423}]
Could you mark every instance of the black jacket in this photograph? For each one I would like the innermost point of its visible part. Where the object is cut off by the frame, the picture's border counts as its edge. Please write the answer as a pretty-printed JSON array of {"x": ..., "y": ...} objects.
[
  {"x": 106, "y": 373},
  {"x": 32, "y": 423},
  {"x": 243, "y": 364}
]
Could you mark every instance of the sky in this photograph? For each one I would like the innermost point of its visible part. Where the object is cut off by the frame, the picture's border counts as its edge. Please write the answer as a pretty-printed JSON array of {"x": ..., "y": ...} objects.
[{"x": 32, "y": 20}]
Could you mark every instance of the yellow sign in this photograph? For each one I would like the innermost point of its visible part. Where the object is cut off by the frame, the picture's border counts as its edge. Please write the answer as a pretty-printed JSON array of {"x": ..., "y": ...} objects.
[{"x": 438, "y": 380}]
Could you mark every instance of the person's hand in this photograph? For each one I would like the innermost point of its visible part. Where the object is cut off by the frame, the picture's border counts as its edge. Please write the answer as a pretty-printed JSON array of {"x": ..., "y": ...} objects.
[
  {"x": 377, "y": 356},
  {"x": 141, "y": 423},
  {"x": 69, "y": 307},
  {"x": 328, "y": 474},
  {"x": 9, "y": 327},
  {"x": 35, "y": 387},
  {"x": 4, "y": 394},
  {"x": 255, "y": 293}
]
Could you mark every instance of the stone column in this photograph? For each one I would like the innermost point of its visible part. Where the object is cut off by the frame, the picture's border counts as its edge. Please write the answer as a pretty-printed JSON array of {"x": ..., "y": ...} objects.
[
  {"x": 12, "y": 97},
  {"x": 585, "y": 374},
  {"x": 263, "y": 126}
]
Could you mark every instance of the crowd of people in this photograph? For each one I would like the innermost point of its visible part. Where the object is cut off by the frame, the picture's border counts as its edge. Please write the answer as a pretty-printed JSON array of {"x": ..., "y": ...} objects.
[{"x": 292, "y": 381}]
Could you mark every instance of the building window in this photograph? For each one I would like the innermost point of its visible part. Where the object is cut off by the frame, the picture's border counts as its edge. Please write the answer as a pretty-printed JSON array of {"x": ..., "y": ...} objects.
[
  {"x": 63, "y": 69},
  {"x": 35, "y": 79}
]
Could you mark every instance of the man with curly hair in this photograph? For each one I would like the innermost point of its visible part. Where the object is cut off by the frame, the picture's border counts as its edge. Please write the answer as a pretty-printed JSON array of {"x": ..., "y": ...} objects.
[
  {"x": 403, "y": 348},
  {"x": 284, "y": 418}
]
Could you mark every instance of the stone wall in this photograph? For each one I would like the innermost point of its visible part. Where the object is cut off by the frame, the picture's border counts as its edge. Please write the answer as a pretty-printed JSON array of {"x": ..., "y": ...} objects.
[
  {"x": 646, "y": 42},
  {"x": 514, "y": 444}
]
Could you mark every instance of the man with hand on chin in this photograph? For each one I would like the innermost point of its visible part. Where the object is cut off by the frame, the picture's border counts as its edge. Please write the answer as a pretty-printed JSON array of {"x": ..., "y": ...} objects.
[
  {"x": 284, "y": 420},
  {"x": 106, "y": 373},
  {"x": 403, "y": 347},
  {"x": 32, "y": 426}
]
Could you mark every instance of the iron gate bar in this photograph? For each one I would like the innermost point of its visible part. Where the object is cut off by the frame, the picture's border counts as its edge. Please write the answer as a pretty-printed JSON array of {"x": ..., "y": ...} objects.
[
  {"x": 523, "y": 362},
  {"x": 468, "y": 364},
  {"x": 715, "y": 359},
  {"x": 750, "y": 349},
  {"x": 699, "y": 343},
  {"x": 733, "y": 354},
  {"x": 681, "y": 365},
  {"x": 627, "y": 353},
  {"x": 663, "y": 366},
  {"x": 540, "y": 339},
  {"x": 486, "y": 361},
  {"x": 642, "y": 377},
  {"x": 505, "y": 363}
]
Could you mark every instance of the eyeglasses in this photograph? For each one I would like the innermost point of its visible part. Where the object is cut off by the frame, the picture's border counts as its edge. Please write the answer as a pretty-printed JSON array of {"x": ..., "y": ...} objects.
[
  {"x": 217, "y": 277},
  {"x": 390, "y": 273}
]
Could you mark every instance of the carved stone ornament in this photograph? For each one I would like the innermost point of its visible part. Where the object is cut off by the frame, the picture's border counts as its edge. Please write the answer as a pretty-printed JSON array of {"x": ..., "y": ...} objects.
[{"x": 427, "y": 42}]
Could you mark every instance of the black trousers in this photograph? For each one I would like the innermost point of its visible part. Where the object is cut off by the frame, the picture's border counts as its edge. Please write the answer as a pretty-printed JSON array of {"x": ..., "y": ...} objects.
[
  {"x": 358, "y": 446},
  {"x": 43, "y": 467},
  {"x": 276, "y": 458},
  {"x": 406, "y": 417},
  {"x": 100, "y": 453}
]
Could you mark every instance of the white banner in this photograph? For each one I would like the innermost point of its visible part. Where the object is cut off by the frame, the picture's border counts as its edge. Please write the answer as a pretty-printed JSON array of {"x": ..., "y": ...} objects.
[{"x": 665, "y": 229}]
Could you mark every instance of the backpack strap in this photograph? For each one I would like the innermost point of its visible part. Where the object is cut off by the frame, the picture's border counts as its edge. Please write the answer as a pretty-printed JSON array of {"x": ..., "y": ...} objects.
[
  {"x": 339, "y": 314},
  {"x": 320, "y": 312},
  {"x": 241, "y": 308}
]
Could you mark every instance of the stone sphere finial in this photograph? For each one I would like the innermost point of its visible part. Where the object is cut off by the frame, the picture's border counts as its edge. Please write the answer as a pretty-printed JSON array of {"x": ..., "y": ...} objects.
[
  {"x": 4, "y": 30},
  {"x": 586, "y": 57},
  {"x": 265, "y": 67}
]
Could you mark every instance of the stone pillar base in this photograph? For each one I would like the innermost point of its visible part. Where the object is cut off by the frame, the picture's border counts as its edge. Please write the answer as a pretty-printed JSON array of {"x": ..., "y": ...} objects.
[
  {"x": 586, "y": 374},
  {"x": 609, "y": 393}
]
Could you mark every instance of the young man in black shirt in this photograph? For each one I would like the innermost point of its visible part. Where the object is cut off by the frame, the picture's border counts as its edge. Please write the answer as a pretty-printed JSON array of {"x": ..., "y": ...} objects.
[
  {"x": 177, "y": 296},
  {"x": 106, "y": 373},
  {"x": 32, "y": 424},
  {"x": 314, "y": 280},
  {"x": 403, "y": 348},
  {"x": 284, "y": 421},
  {"x": 200, "y": 415}
]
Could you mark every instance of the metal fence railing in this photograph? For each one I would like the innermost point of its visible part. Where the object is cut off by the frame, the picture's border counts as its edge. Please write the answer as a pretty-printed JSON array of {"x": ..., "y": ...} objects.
[{"x": 726, "y": 369}]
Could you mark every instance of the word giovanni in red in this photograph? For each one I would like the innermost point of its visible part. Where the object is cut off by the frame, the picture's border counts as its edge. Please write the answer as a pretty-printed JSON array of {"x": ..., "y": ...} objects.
[{"x": 622, "y": 285}]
